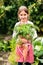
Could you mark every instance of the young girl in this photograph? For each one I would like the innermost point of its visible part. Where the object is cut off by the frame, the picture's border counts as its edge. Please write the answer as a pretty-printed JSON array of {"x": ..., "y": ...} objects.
[{"x": 25, "y": 51}]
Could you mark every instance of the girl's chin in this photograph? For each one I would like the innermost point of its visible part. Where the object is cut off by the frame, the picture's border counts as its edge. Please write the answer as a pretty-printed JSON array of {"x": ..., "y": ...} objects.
[{"x": 23, "y": 20}]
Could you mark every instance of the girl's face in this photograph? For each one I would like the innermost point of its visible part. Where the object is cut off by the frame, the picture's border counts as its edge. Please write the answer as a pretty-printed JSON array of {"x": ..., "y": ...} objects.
[{"x": 23, "y": 16}]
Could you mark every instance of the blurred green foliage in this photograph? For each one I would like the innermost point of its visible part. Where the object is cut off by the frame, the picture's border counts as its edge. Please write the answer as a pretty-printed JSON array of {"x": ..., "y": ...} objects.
[
  {"x": 38, "y": 49},
  {"x": 8, "y": 18},
  {"x": 8, "y": 14},
  {"x": 4, "y": 46}
]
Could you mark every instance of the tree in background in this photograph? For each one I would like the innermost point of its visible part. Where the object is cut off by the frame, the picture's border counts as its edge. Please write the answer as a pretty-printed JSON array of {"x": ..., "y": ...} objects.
[
  {"x": 8, "y": 14},
  {"x": 36, "y": 11}
]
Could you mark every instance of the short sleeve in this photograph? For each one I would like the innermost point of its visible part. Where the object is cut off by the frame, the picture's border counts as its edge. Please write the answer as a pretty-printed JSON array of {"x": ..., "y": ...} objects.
[
  {"x": 35, "y": 33},
  {"x": 14, "y": 31},
  {"x": 14, "y": 34}
]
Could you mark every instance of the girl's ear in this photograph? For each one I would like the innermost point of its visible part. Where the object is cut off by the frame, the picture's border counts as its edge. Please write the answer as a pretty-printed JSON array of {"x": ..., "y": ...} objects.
[{"x": 18, "y": 18}]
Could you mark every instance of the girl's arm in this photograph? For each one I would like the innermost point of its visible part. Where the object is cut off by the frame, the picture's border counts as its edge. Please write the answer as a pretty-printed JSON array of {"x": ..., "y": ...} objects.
[
  {"x": 25, "y": 51},
  {"x": 35, "y": 34},
  {"x": 14, "y": 34},
  {"x": 14, "y": 31}
]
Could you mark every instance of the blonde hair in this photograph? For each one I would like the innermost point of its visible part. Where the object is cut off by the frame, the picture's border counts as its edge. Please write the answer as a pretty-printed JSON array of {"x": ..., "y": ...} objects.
[{"x": 21, "y": 8}]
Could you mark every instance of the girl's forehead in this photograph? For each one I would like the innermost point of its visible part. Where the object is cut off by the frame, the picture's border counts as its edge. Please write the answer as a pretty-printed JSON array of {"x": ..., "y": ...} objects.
[{"x": 23, "y": 11}]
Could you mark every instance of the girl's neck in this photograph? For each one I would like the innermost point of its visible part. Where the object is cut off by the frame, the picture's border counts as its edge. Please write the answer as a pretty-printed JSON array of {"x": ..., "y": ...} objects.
[{"x": 23, "y": 21}]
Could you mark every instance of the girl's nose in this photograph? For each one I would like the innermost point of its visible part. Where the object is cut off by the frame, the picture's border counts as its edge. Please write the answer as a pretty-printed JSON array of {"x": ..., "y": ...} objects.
[{"x": 22, "y": 16}]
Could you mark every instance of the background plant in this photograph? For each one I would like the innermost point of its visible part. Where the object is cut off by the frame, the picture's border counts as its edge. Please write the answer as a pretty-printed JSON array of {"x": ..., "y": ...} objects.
[
  {"x": 8, "y": 14},
  {"x": 38, "y": 49},
  {"x": 4, "y": 46},
  {"x": 8, "y": 18}
]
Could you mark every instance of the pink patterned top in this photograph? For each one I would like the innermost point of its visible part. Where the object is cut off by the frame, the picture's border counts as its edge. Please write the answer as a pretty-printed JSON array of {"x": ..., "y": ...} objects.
[{"x": 30, "y": 53}]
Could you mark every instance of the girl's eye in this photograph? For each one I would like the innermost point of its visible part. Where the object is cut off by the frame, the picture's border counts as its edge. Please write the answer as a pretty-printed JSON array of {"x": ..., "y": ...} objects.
[
  {"x": 24, "y": 14},
  {"x": 21, "y": 14}
]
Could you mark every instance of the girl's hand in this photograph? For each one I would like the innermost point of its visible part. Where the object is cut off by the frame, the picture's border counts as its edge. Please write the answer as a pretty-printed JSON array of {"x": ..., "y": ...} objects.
[
  {"x": 23, "y": 40},
  {"x": 25, "y": 51}
]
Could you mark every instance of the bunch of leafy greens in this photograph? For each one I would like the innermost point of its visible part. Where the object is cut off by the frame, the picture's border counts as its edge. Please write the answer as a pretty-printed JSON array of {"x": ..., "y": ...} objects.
[{"x": 25, "y": 30}]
